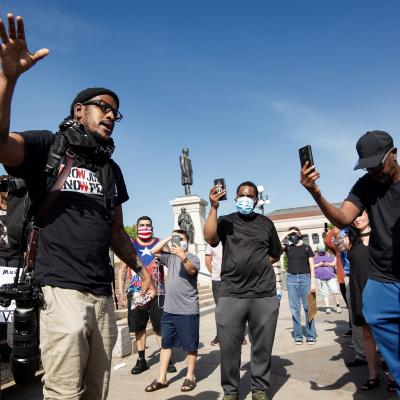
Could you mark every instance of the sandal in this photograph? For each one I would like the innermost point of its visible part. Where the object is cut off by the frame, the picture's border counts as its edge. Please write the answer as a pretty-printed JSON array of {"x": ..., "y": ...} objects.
[
  {"x": 371, "y": 384},
  {"x": 188, "y": 385},
  {"x": 391, "y": 387},
  {"x": 155, "y": 385}
]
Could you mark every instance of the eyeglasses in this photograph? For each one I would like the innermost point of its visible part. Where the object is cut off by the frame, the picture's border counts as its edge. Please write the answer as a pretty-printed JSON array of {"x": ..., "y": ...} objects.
[
  {"x": 382, "y": 163},
  {"x": 105, "y": 107}
]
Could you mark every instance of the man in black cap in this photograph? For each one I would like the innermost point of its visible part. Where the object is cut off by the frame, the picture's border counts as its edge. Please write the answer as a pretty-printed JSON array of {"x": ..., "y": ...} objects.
[
  {"x": 378, "y": 192},
  {"x": 77, "y": 323}
]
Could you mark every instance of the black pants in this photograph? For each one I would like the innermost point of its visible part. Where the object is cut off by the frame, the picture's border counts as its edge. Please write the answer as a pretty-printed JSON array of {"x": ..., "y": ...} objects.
[
  {"x": 3, "y": 331},
  {"x": 216, "y": 288},
  {"x": 261, "y": 314}
]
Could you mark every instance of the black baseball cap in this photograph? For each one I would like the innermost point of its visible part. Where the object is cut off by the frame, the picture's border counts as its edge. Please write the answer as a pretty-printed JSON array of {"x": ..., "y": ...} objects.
[{"x": 371, "y": 148}]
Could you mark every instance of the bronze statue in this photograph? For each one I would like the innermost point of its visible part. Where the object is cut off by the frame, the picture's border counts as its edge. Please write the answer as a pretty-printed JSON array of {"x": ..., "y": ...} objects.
[
  {"x": 185, "y": 222},
  {"x": 186, "y": 169}
]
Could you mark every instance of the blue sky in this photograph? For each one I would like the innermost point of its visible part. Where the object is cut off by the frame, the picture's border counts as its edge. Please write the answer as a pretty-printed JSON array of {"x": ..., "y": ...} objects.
[{"x": 242, "y": 84}]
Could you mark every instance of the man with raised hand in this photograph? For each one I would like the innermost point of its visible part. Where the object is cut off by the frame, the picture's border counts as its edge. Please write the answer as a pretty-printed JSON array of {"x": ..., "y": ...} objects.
[
  {"x": 180, "y": 321},
  {"x": 378, "y": 192},
  {"x": 77, "y": 322},
  {"x": 248, "y": 290}
]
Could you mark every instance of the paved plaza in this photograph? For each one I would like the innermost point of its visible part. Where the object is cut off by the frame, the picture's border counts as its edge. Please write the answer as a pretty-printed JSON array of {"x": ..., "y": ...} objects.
[{"x": 298, "y": 372}]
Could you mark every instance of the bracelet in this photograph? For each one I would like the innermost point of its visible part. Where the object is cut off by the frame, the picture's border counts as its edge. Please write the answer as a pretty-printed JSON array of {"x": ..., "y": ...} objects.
[{"x": 185, "y": 260}]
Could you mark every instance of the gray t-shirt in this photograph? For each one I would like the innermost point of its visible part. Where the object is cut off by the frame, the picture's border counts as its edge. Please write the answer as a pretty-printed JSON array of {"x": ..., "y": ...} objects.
[{"x": 181, "y": 296}]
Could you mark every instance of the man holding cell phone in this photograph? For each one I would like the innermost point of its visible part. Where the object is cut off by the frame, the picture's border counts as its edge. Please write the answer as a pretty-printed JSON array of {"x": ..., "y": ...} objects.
[
  {"x": 248, "y": 289},
  {"x": 377, "y": 192},
  {"x": 180, "y": 320}
]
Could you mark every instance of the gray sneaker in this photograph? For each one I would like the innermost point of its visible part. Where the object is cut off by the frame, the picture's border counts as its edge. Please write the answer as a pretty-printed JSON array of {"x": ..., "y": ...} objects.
[
  {"x": 259, "y": 395},
  {"x": 230, "y": 397}
]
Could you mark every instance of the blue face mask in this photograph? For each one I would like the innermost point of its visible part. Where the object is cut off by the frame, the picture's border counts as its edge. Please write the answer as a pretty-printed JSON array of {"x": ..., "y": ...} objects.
[{"x": 245, "y": 205}]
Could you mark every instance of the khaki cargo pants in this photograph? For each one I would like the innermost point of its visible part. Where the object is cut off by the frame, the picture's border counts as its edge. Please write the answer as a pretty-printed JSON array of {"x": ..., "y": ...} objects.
[{"x": 77, "y": 334}]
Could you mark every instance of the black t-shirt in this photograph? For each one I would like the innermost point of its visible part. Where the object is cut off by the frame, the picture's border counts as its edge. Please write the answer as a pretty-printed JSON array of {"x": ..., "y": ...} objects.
[
  {"x": 15, "y": 215},
  {"x": 382, "y": 202},
  {"x": 11, "y": 221},
  {"x": 6, "y": 251},
  {"x": 75, "y": 239},
  {"x": 298, "y": 258},
  {"x": 248, "y": 241}
]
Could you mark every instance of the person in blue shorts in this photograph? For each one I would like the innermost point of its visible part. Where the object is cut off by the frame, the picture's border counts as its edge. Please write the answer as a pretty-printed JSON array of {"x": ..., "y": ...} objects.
[
  {"x": 180, "y": 320},
  {"x": 377, "y": 192}
]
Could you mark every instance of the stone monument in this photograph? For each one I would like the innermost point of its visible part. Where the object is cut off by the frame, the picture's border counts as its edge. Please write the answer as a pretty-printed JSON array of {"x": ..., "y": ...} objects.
[
  {"x": 185, "y": 222},
  {"x": 190, "y": 214}
]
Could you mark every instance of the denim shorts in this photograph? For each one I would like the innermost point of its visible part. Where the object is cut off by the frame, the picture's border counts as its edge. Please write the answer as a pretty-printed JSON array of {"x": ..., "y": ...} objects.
[{"x": 180, "y": 331}]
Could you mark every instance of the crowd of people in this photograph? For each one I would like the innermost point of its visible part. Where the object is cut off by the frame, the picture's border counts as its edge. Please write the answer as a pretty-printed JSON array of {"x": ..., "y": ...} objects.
[{"x": 74, "y": 185}]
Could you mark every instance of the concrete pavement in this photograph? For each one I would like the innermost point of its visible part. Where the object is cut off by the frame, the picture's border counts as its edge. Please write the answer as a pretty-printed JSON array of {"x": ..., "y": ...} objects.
[{"x": 298, "y": 372}]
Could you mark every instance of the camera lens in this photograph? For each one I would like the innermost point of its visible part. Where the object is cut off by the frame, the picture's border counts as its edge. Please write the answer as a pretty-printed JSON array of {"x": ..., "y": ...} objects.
[{"x": 25, "y": 355}]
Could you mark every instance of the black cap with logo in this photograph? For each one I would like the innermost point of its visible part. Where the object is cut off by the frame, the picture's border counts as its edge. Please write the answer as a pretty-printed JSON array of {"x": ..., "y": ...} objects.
[{"x": 372, "y": 147}]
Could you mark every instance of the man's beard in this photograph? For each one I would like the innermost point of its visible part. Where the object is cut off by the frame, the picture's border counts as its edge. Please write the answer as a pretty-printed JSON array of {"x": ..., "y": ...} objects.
[{"x": 99, "y": 137}]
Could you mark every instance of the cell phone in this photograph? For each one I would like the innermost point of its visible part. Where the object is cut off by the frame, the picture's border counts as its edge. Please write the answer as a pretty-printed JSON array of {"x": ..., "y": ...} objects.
[
  {"x": 176, "y": 239},
  {"x": 305, "y": 154},
  {"x": 222, "y": 187}
]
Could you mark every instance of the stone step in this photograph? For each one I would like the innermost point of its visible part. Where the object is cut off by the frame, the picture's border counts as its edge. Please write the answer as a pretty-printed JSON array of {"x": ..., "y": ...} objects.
[
  {"x": 126, "y": 344},
  {"x": 204, "y": 296},
  {"x": 205, "y": 290},
  {"x": 123, "y": 312},
  {"x": 122, "y": 315}
]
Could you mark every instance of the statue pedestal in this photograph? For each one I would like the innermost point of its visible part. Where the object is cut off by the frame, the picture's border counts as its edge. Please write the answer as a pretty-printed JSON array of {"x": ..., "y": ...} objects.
[{"x": 196, "y": 208}]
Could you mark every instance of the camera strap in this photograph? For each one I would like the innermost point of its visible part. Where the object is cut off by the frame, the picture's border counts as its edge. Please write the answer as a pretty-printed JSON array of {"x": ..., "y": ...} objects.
[{"x": 44, "y": 210}]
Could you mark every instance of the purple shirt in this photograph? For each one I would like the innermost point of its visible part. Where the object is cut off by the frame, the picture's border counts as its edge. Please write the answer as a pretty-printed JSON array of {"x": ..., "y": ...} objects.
[{"x": 324, "y": 273}]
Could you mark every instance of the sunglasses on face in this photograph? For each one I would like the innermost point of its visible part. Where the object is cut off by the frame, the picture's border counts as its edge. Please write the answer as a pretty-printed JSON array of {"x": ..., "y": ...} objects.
[
  {"x": 381, "y": 165},
  {"x": 105, "y": 107}
]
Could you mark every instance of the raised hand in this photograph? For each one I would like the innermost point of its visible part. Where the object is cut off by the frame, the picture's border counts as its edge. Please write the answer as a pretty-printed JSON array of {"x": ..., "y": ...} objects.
[
  {"x": 178, "y": 251},
  {"x": 215, "y": 195},
  {"x": 15, "y": 57},
  {"x": 308, "y": 177}
]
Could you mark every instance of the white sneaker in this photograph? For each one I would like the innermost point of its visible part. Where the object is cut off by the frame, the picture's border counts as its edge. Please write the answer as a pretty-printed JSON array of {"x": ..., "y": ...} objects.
[
  {"x": 328, "y": 310},
  {"x": 338, "y": 309}
]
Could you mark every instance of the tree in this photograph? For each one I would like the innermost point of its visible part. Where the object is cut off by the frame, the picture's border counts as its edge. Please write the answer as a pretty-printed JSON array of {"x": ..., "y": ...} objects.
[{"x": 131, "y": 231}]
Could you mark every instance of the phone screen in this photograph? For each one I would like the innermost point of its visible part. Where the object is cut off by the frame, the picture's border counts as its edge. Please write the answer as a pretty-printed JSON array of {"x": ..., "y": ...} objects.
[{"x": 221, "y": 182}]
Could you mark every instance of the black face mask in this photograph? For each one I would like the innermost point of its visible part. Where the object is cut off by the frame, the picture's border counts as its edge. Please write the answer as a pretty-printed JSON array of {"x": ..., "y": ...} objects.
[{"x": 294, "y": 238}]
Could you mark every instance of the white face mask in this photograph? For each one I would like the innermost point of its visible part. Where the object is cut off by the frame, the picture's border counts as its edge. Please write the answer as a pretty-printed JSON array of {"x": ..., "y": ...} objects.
[{"x": 184, "y": 245}]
